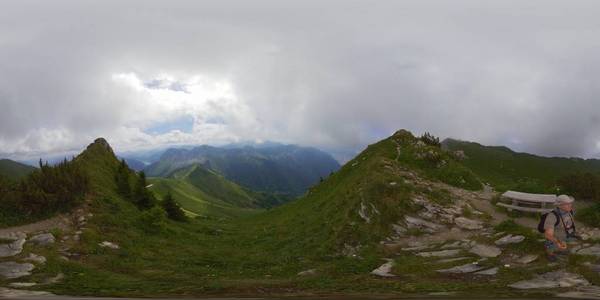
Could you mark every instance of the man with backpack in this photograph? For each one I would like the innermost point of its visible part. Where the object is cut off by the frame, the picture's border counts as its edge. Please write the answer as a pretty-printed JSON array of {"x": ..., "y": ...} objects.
[{"x": 558, "y": 227}]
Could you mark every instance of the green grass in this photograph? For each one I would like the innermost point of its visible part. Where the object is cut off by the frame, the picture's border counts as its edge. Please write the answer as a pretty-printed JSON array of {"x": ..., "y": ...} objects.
[
  {"x": 506, "y": 169},
  {"x": 229, "y": 250},
  {"x": 195, "y": 200}
]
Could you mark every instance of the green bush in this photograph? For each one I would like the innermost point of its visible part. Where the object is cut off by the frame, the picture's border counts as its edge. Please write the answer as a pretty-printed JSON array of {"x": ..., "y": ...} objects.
[
  {"x": 153, "y": 220},
  {"x": 590, "y": 215}
]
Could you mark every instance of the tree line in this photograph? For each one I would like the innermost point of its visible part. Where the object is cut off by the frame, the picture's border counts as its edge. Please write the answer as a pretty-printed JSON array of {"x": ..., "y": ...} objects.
[
  {"x": 44, "y": 192},
  {"x": 135, "y": 190}
]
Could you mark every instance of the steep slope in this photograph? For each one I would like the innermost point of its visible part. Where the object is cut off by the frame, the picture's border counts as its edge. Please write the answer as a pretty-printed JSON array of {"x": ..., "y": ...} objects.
[
  {"x": 359, "y": 205},
  {"x": 506, "y": 169},
  {"x": 14, "y": 170},
  {"x": 275, "y": 168}
]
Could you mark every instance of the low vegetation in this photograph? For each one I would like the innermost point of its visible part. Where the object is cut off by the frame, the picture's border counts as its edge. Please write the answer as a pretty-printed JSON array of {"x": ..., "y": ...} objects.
[{"x": 42, "y": 193}]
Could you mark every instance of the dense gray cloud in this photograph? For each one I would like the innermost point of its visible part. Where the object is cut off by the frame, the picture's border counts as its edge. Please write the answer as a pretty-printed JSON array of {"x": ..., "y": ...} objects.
[{"x": 332, "y": 74}]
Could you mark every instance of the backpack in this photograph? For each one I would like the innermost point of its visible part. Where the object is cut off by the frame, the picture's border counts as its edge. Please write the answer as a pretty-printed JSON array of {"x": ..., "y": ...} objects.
[{"x": 558, "y": 219}]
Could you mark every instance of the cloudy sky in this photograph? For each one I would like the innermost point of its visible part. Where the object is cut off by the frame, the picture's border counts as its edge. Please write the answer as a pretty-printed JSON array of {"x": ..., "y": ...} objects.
[{"x": 337, "y": 75}]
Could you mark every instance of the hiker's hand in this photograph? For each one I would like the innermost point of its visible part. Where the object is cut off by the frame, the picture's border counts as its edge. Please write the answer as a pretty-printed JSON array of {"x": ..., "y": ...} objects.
[{"x": 561, "y": 245}]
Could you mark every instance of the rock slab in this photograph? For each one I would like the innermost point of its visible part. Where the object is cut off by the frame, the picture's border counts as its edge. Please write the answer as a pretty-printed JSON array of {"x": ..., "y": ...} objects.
[{"x": 11, "y": 269}]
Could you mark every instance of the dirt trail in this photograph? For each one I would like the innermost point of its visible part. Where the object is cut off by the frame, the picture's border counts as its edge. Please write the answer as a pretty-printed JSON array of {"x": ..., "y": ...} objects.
[{"x": 61, "y": 221}]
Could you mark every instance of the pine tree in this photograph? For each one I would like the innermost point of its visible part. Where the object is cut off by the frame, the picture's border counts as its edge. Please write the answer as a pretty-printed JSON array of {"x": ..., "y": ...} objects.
[
  {"x": 174, "y": 211},
  {"x": 122, "y": 179},
  {"x": 143, "y": 197}
]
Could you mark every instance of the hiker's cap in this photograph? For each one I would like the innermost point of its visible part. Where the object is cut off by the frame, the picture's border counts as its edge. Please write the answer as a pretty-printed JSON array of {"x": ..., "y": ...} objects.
[{"x": 564, "y": 199}]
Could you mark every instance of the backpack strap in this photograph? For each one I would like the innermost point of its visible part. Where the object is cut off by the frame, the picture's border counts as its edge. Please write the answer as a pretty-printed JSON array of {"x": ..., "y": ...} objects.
[{"x": 558, "y": 218}]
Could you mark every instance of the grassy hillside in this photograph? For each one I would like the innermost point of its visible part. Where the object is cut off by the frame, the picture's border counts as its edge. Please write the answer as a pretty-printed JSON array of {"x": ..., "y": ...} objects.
[
  {"x": 253, "y": 252},
  {"x": 205, "y": 192},
  {"x": 14, "y": 170},
  {"x": 506, "y": 169},
  {"x": 195, "y": 200}
]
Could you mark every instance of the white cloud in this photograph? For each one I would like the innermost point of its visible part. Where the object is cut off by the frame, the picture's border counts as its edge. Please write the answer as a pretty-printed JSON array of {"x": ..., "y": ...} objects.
[{"x": 495, "y": 72}]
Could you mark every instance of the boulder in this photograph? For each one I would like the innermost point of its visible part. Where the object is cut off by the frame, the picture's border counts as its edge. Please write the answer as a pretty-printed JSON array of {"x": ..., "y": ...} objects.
[
  {"x": 486, "y": 250},
  {"x": 510, "y": 239},
  {"x": 11, "y": 269},
  {"x": 42, "y": 239},
  {"x": 468, "y": 224}
]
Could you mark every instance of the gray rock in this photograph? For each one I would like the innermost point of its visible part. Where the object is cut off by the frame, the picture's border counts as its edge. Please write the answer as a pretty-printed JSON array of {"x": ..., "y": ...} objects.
[
  {"x": 35, "y": 258},
  {"x": 56, "y": 279},
  {"x": 385, "y": 269},
  {"x": 442, "y": 253},
  {"x": 399, "y": 230},
  {"x": 308, "y": 272},
  {"x": 466, "y": 268},
  {"x": 454, "y": 245},
  {"x": 593, "y": 267},
  {"x": 468, "y": 224},
  {"x": 525, "y": 259},
  {"x": 12, "y": 293},
  {"x": 510, "y": 239},
  {"x": 110, "y": 245},
  {"x": 11, "y": 269},
  {"x": 416, "y": 248},
  {"x": 584, "y": 292},
  {"x": 489, "y": 272},
  {"x": 13, "y": 248},
  {"x": 447, "y": 260},
  {"x": 412, "y": 222},
  {"x": 593, "y": 250},
  {"x": 42, "y": 239},
  {"x": 556, "y": 279},
  {"x": 22, "y": 284},
  {"x": 486, "y": 250}
]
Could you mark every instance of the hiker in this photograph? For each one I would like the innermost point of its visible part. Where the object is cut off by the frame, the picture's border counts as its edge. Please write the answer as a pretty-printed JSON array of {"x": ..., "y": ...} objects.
[{"x": 559, "y": 227}]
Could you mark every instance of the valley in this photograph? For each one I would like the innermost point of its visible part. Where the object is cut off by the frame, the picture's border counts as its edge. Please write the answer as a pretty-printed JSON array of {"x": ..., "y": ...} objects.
[{"x": 404, "y": 218}]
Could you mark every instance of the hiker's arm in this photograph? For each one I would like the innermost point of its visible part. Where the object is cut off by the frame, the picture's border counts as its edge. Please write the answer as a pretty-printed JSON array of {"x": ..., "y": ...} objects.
[{"x": 549, "y": 234}]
